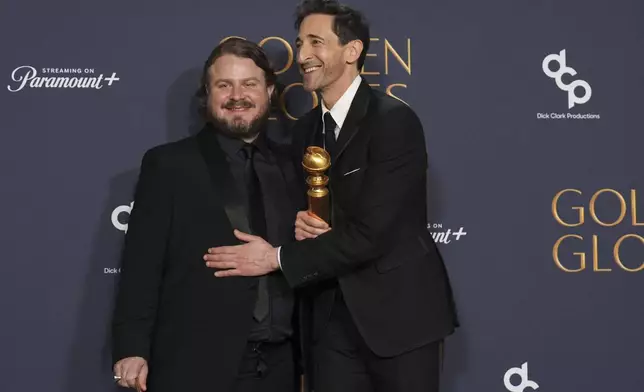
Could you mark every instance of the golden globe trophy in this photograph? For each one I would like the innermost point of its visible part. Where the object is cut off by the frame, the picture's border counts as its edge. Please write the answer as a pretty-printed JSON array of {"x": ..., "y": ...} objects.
[{"x": 316, "y": 161}]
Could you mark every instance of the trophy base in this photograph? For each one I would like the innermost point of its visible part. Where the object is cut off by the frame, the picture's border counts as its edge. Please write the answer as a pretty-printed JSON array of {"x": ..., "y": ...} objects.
[{"x": 319, "y": 207}]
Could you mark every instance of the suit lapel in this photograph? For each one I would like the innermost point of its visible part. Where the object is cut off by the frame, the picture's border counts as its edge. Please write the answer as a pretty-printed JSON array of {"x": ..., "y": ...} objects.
[
  {"x": 222, "y": 179},
  {"x": 351, "y": 124}
]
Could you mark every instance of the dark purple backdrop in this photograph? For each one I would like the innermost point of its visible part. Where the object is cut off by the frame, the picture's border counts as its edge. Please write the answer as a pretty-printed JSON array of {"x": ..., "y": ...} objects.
[{"x": 474, "y": 73}]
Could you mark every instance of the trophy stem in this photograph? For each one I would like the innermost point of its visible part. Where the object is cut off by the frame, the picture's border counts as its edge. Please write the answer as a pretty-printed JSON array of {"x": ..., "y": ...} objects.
[
  {"x": 316, "y": 160},
  {"x": 318, "y": 197}
]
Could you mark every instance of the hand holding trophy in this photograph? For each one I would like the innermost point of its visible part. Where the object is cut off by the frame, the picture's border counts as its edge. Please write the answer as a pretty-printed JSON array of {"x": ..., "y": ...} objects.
[{"x": 316, "y": 161}]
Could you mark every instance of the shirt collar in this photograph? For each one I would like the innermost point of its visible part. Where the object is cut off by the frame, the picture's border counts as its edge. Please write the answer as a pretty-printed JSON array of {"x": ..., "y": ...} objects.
[
  {"x": 232, "y": 145},
  {"x": 341, "y": 108}
]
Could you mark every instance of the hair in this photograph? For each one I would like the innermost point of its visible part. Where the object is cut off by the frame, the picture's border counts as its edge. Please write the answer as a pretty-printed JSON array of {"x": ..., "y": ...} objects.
[
  {"x": 348, "y": 24},
  {"x": 241, "y": 48}
]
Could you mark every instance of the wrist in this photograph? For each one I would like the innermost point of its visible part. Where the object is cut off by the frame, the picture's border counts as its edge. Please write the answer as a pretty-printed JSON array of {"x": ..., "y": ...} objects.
[{"x": 272, "y": 259}]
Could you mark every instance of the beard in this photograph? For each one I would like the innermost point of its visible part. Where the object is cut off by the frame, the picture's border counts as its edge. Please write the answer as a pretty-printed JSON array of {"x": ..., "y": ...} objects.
[{"x": 235, "y": 127}]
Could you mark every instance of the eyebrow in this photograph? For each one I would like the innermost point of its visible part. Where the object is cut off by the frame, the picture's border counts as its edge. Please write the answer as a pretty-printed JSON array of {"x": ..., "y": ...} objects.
[
  {"x": 231, "y": 80},
  {"x": 309, "y": 36}
]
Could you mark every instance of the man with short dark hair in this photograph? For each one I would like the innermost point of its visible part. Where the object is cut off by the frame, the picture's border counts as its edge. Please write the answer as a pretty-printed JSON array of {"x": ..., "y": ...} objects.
[
  {"x": 176, "y": 328},
  {"x": 381, "y": 298}
]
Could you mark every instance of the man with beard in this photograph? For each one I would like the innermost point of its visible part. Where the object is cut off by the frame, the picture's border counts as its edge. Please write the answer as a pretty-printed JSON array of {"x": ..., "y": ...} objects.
[
  {"x": 381, "y": 297},
  {"x": 177, "y": 328}
]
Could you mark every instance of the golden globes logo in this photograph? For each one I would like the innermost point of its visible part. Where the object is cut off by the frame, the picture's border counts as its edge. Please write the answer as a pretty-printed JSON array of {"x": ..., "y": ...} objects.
[
  {"x": 378, "y": 47},
  {"x": 571, "y": 208}
]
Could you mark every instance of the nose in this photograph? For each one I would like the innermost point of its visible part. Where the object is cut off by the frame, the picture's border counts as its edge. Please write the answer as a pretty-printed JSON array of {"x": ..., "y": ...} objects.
[
  {"x": 303, "y": 53},
  {"x": 236, "y": 92}
]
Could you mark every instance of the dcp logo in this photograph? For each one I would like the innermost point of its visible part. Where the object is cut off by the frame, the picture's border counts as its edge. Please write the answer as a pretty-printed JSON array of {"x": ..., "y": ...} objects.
[
  {"x": 522, "y": 372},
  {"x": 117, "y": 213},
  {"x": 563, "y": 69}
]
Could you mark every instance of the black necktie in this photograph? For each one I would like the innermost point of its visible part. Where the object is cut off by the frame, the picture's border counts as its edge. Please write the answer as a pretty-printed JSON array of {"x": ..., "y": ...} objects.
[
  {"x": 257, "y": 221},
  {"x": 329, "y": 133}
]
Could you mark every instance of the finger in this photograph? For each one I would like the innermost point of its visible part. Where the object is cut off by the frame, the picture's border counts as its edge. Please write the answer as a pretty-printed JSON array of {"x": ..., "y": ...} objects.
[
  {"x": 118, "y": 372},
  {"x": 134, "y": 369},
  {"x": 223, "y": 250},
  {"x": 303, "y": 234},
  {"x": 126, "y": 373},
  {"x": 124, "y": 370},
  {"x": 130, "y": 381},
  {"x": 313, "y": 220},
  {"x": 309, "y": 216},
  {"x": 246, "y": 237},
  {"x": 221, "y": 264},
  {"x": 221, "y": 257},
  {"x": 143, "y": 377},
  {"x": 309, "y": 229},
  {"x": 227, "y": 273}
]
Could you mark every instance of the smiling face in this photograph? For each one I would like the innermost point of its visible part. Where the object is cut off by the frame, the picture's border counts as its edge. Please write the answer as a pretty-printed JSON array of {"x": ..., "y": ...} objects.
[
  {"x": 325, "y": 63},
  {"x": 238, "y": 96},
  {"x": 321, "y": 56}
]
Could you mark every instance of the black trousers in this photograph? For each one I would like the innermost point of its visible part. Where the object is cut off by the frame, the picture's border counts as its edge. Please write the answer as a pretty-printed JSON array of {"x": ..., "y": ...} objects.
[
  {"x": 342, "y": 361},
  {"x": 267, "y": 367}
]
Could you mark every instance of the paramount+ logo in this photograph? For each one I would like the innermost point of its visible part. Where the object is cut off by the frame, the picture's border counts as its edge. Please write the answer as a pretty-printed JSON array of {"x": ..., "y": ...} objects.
[{"x": 29, "y": 77}]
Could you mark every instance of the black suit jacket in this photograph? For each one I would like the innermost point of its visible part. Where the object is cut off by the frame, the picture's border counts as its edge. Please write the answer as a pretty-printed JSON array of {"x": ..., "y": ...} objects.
[
  {"x": 387, "y": 265},
  {"x": 191, "y": 326}
]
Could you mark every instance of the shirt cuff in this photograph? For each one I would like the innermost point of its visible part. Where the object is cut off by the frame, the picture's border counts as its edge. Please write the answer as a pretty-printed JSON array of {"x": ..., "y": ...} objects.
[{"x": 279, "y": 259}]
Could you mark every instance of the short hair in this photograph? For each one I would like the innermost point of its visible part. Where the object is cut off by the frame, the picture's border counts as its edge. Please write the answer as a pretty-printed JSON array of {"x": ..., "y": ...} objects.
[
  {"x": 241, "y": 48},
  {"x": 348, "y": 24}
]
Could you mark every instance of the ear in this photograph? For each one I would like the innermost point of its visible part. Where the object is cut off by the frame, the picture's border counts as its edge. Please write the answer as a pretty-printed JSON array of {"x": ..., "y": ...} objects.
[
  {"x": 270, "y": 90},
  {"x": 353, "y": 51}
]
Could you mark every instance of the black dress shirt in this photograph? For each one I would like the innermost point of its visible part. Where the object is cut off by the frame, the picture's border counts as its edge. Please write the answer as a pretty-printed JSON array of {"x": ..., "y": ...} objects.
[{"x": 277, "y": 326}]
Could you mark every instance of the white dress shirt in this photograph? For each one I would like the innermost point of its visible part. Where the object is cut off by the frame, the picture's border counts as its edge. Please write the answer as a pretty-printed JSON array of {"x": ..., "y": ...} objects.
[{"x": 341, "y": 108}]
